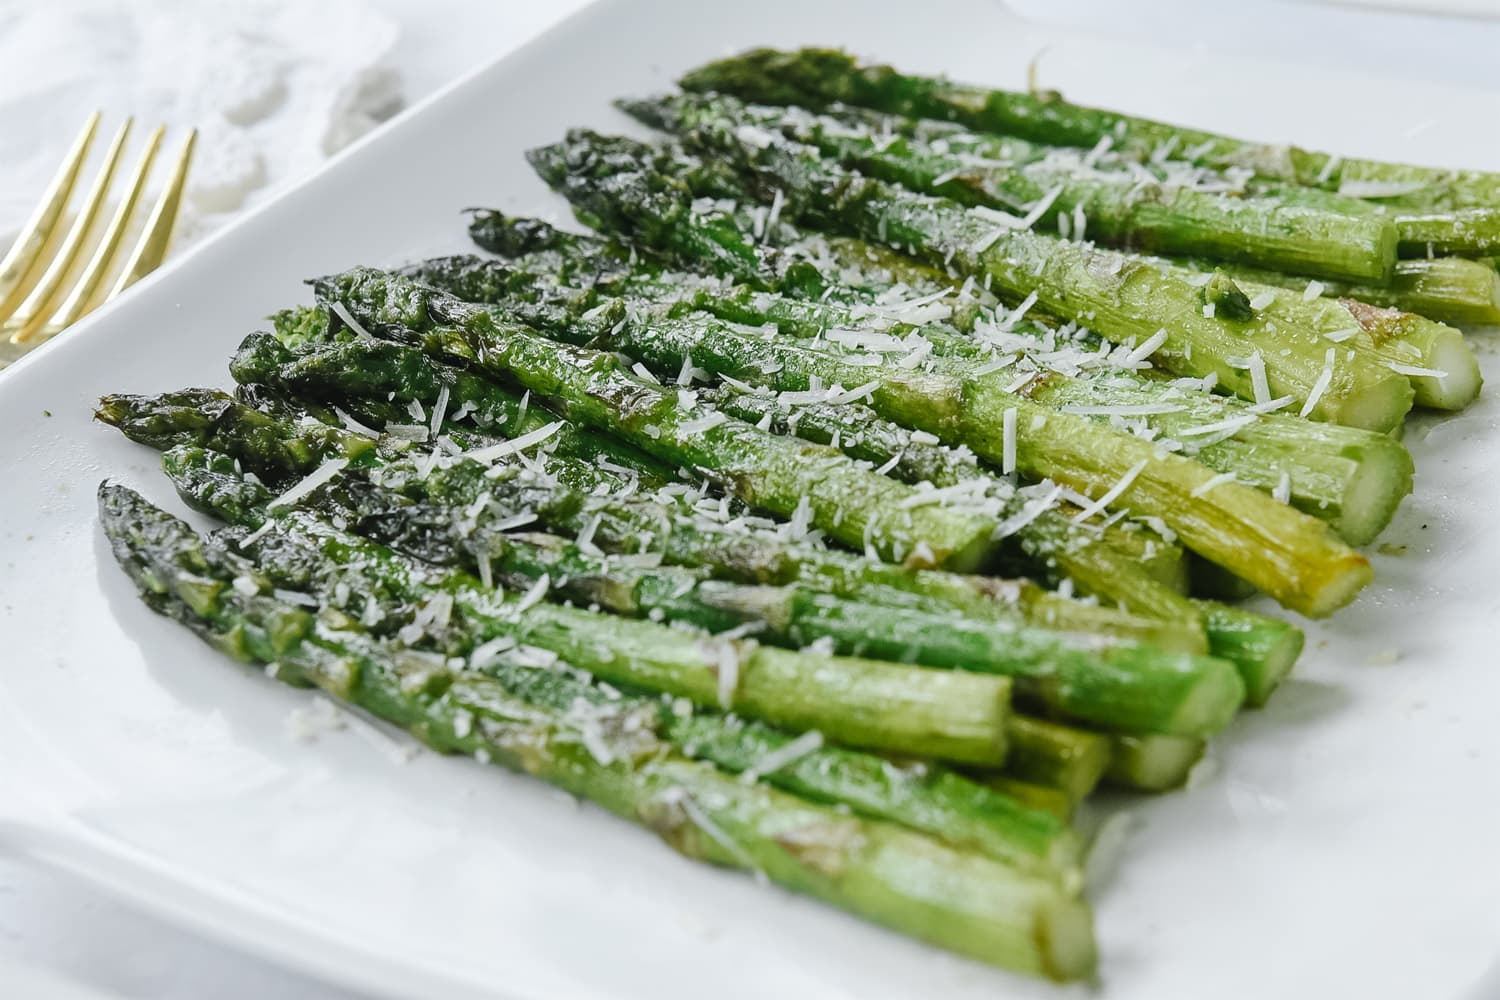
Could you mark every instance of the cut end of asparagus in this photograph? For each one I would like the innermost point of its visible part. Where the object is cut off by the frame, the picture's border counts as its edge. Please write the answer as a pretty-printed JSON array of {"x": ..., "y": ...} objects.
[
  {"x": 1211, "y": 703},
  {"x": 1065, "y": 937},
  {"x": 1382, "y": 479},
  {"x": 1153, "y": 763},
  {"x": 1278, "y": 655},
  {"x": 1341, "y": 583},
  {"x": 1262, "y": 648},
  {"x": 1460, "y": 381},
  {"x": 1379, "y": 405}
]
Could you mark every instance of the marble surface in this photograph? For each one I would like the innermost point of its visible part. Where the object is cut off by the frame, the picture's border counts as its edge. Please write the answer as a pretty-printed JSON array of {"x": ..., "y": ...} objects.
[{"x": 60, "y": 938}]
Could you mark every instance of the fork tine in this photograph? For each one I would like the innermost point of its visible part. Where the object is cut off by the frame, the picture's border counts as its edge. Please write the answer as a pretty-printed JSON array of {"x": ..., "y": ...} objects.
[
  {"x": 152, "y": 246},
  {"x": 38, "y": 307},
  {"x": 83, "y": 298},
  {"x": 26, "y": 255}
]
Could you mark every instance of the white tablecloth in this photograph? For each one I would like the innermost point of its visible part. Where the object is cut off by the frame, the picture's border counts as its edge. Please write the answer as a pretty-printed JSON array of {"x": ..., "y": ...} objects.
[{"x": 74, "y": 940}]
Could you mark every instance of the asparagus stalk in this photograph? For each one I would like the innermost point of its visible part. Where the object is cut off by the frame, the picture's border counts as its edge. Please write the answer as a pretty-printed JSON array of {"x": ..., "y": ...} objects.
[
  {"x": 1038, "y": 797},
  {"x": 1124, "y": 299},
  {"x": 585, "y": 498},
  {"x": 1152, "y": 763},
  {"x": 958, "y": 715},
  {"x": 1118, "y": 207},
  {"x": 366, "y": 369},
  {"x": 1017, "y": 259},
  {"x": 1263, "y": 648},
  {"x": 1300, "y": 563},
  {"x": 208, "y": 481},
  {"x": 1042, "y": 753},
  {"x": 1111, "y": 685},
  {"x": 1444, "y": 289},
  {"x": 1050, "y": 540},
  {"x": 1425, "y": 201},
  {"x": 760, "y": 681},
  {"x": 391, "y": 370},
  {"x": 811, "y": 267},
  {"x": 1351, "y": 478},
  {"x": 902, "y": 879},
  {"x": 779, "y": 475}
]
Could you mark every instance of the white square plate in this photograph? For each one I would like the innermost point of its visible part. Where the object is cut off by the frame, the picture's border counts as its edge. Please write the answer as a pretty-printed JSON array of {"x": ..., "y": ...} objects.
[{"x": 1345, "y": 848}]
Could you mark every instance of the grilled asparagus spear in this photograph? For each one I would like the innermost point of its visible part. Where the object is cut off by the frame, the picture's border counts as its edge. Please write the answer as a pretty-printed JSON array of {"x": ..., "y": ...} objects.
[
  {"x": 1116, "y": 207},
  {"x": 1296, "y": 559},
  {"x": 1130, "y": 688},
  {"x": 1349, "y": 477},
  {"x": 902, "y": 879},
  {"x": 1452, "y": 209}
]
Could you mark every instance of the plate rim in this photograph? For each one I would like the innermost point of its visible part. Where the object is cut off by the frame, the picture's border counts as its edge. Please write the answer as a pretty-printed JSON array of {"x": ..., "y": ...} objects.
[{"x": 214, "y": 912}]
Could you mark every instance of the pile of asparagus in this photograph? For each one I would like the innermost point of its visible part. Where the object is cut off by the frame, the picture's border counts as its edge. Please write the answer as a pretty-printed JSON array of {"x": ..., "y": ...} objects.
[{"x": 821, "y": 512}]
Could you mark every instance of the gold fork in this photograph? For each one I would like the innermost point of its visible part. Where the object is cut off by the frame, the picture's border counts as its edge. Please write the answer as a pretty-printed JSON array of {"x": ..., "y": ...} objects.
[{"x": 45, "y": 284}]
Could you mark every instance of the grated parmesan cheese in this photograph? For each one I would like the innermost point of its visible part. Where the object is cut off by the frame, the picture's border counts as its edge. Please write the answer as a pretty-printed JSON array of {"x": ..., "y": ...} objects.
[
  {"x": 313, "y": 480},
  {"x": 775, "y": 760},
  {"x": 1415, "y": 371},
  {"x": 1263, "y": 299},
  {"x": 1325, "y": 378},
  {"x": 514, "y": 445},
  {"x": 1112, "y": 494},
  {"x": 343, "y": 313},
  {"x": 1212, "y": 482},
  {"x": 535, "y": 595},
  {"x": 1151, "y": 345}
]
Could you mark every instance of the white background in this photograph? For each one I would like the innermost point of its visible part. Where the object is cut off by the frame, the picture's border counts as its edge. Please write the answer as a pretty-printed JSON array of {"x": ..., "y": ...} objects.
[{"x": 68, "y": 931}]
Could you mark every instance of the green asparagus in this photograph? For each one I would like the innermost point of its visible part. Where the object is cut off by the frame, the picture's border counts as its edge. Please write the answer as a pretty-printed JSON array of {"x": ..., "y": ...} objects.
[
  {"x": 1454, "y": 209},
  {"x": 776, "y": 474},
  {"x": 1117, "y": 207},
  {"x": 1262, "y": 648},
  {"x": 910, "y": 882},
  {"x": 1295, "y": 558},
  {"x": 1124, "y": 299},
  {"x": 1351, "y": 478},
  {"x": 1111, "y": 685},
  {"x": 937, "y": 713},
  {"x": 1152, "y": 763},
  {"x": 1444, "y": 289}
]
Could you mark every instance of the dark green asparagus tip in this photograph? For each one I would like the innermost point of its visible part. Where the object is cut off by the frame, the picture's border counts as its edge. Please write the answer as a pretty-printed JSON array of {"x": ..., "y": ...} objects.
[
  {"x": 164, "y": 420},
  {"x": 510, "y": 236},
  {"x": 472, "y": 278},
  {"x": 151, "y": 545},
  {"x": 774, "y": 76},
  {"x": 588, "y": 155},
  {"x": 258, "y": 355},
  {"x": 402, "y": 303},
  {"x": 1228, "y": 300},
  {"x": 210, "y": 482},
  {"x": 658, "y": 112},
  {"x": 550, "y": 162},
  {"x": 302, "y": 325}
]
